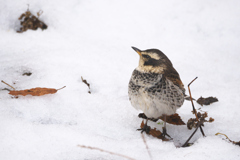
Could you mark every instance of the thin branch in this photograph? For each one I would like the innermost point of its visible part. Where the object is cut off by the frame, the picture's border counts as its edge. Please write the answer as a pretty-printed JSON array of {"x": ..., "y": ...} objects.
[
  {"x": 198, "y": 126},
  {"x": 200, "y": 122},
  {"x": 194, "y": 110},
  {"x": 144, "y": 140},
  {"x": 61, "y": 88},
  {"x": 186, "y": 143},
  {"x": 95, "y": 148},
  {"x": 236, "y": 143},
  {"x": 202, "y": 130},
  {"x": 85, "y": 81},
  {"x": 6, "y": 89},
  {"x": 8, "y": 84},
  {"x": 223, "y": 135}
]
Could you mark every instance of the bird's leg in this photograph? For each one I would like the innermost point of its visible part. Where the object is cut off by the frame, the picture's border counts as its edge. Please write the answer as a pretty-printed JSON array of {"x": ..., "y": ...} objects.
[
  {"x": 164, "y": 133},
  {"x": 145, "y": 128}
]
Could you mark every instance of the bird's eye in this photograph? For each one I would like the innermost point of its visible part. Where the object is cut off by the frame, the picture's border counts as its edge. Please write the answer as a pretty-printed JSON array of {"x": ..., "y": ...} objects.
[{"x": 146, "y": 56}]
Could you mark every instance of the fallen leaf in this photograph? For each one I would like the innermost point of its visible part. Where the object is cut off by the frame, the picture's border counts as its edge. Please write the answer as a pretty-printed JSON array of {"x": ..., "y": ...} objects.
[
  {"x": 142, "y": 125},
  {"x": 206, "y": 101},
  {"x": 210, "y": 119},
  {"x": 155, "y": 133},
  {"x": 174, "y": 119},
  {"x": 34, "y": 91}
]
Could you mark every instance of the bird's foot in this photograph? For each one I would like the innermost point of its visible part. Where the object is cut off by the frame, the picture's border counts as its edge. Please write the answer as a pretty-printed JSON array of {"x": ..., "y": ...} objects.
[
  {"x": 145, "y": 128},
  {"x": 164, "y": 134}
]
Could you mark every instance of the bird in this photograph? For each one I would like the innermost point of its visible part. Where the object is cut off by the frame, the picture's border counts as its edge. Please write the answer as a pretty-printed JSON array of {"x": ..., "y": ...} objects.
[{"x": 155, "y": 87}]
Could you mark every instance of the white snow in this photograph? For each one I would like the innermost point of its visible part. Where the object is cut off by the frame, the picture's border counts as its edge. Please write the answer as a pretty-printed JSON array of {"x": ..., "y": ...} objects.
[{"x": 93, "y": 39}]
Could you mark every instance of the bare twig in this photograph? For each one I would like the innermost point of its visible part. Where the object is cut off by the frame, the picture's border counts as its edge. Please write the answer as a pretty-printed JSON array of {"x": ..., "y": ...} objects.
[
  {"x": 194, "y": 110},
  {"x": 200, "y": 122},
  {"x": 144, "y": 140},
  {"x": 95, "y": 148},
  {"x": 61, "y": 88},
  {"x": 238, "y": 143},
  {"x": 198, "y": 125},
  {"x": 6, "y": 89},
  {"x": 8, "y": 84},
  {"x": 223, "y": 135},
  {"x": 202, "y": 130},
  {"x": 85, "y": 81}
]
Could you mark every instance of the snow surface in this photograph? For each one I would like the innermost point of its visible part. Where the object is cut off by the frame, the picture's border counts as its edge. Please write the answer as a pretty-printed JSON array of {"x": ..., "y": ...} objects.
[{"x": 93, "y": 39}]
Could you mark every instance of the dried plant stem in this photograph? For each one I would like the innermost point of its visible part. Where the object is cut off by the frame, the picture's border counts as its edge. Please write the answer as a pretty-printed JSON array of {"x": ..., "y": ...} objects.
[
  {"x": 200, "y": 122},
  {"x": 194, "y": 110},
  {"x": 8, "y": 84},
  {"x": 85, "y": 81},
  {"x": 6, "y": 89},
  {"x": 61, "y": 88},
  {"x": 223, "y": 135},
  {"x": 95, "y": 148},
  {"x": 198, "y": 125},
  {"x": 144, "y": 140},
  {"x": 202, "y": 130},
  {"x": 236, "y": 143},
  {"x": 186, "y": 143}
]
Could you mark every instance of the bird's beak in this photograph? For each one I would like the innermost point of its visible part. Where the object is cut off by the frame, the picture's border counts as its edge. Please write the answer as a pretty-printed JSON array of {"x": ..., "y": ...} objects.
[{"x": 137, "y": 50}]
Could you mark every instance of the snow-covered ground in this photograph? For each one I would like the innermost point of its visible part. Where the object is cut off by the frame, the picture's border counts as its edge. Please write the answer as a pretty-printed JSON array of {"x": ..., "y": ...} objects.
[{"x": 93, "y": 39}]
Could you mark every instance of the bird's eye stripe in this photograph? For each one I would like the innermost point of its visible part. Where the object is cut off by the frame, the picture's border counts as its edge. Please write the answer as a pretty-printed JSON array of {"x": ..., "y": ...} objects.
[{"x": 146, "y": 56}]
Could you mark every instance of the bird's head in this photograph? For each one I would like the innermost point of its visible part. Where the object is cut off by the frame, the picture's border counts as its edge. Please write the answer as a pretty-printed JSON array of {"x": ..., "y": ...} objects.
[{"x": 152, "y": 60}]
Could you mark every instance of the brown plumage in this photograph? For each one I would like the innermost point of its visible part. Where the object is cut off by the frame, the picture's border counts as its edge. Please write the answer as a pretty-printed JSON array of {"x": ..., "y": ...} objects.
[{"x": 171, "y": 74}]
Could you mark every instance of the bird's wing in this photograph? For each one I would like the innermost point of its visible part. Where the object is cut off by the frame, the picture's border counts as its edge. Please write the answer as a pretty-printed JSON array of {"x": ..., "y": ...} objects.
[{"x": 172, "y": 75}]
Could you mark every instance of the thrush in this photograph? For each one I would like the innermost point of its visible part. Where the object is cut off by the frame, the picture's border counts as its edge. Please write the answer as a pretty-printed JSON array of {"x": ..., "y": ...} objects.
[{"x": 155, "y": 87}]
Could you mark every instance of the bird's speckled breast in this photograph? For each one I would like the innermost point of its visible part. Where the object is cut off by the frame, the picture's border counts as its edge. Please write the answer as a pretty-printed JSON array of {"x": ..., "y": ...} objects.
[{"x": 154, "y": 94}]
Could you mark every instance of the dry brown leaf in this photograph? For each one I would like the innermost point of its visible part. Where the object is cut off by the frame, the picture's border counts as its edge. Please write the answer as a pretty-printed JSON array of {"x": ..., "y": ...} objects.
[
  {"x": 210, "y": 119},
  {"x": 155, "y": 133},
  {"x": 174, "y": 119},
  {"x": 34, "y": 91},
  {"x": 142, "y": 125},
  {"x": 206, "y": 101}
]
